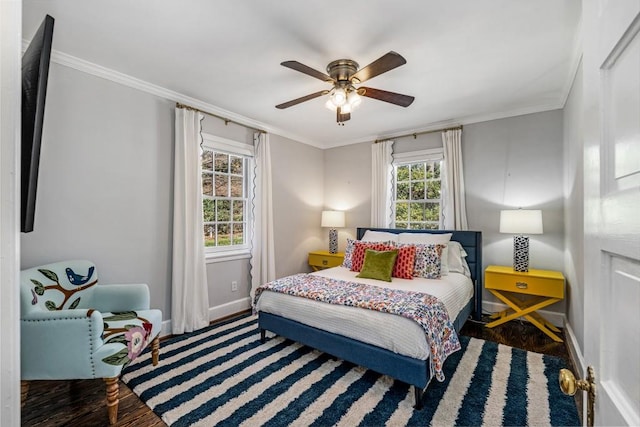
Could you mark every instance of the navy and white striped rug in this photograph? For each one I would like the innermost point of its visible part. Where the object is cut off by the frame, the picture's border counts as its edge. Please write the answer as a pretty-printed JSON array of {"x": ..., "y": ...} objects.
[{"x": 223, "y": 375}]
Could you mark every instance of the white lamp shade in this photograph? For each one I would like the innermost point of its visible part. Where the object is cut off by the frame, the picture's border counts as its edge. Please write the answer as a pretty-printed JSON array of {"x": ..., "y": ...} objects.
[
  {"x": 333, "y": 219},
  {"x": 521, "y": 221}
]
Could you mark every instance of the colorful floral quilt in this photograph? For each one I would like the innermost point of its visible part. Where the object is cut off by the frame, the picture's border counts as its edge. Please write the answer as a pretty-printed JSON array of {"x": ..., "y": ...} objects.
[{"x": 426, "y": 310}]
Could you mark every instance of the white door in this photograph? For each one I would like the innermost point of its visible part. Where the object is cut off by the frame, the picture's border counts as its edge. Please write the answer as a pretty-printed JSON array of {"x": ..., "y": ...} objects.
[{"x": 611, "y": 65}]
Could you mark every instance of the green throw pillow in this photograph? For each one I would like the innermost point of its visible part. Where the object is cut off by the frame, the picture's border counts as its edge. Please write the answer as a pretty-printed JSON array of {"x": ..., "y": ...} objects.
[{"x": 378, "y": 264}]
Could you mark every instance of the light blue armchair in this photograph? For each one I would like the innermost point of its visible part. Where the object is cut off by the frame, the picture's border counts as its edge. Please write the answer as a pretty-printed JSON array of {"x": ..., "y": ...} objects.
[{"x": 73, "y": 329}]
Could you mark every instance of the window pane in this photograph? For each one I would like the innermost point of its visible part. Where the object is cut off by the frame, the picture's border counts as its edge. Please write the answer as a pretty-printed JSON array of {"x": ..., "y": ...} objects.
[
  {"x": 416, "y": 211},
  {"x": 417, "y": 190},
  {"x": 402, "y": 191},
  {"x": 222, "y": 185},
  {"x": 428, "y": 226},
  {"x": 209, "y": 235},
  {"x": 238, "y": 234},
  {"x": 224, "y": 210},
  {"x": 208, "y": 210},
  {"x": 222, "y": 162},
  {"x": 236, "y": 165},
  {"x": 417, "y": 171},
  {"x": 207, "y": 184},
  {"x": 236, "y": 186},
  {"x": 436, "y": 170},
  {"x": 433, "y": 190},
  {"x": 417, "y": 226},
  {"x": 402, "y": 212},
  {"x": 238, "y": 210},
  {"x": 401, "y": 225},
  {"x": 432, "y": 211},
  {"x": 429, "y": 174},
  {"x": 224, "y": 237},
  {"x": 402, "y": 173},
  {"x": 207, "y": 160}
]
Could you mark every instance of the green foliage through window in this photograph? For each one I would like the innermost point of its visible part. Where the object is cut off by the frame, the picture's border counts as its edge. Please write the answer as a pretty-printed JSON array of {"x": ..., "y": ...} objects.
[
  {"x": 417, "y": 195},
  {"x": 225, "y": 198}
]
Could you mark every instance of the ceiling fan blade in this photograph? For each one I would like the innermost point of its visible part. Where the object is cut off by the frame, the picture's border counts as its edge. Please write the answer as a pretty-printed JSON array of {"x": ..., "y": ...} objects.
[
  {"x": 342, "y": 117},
  {"x": 381, "y": 65},
  {"x": 301, "y": 99},
  {"x": 295, "y": 65},
  {"x": 383, "y": 95}
]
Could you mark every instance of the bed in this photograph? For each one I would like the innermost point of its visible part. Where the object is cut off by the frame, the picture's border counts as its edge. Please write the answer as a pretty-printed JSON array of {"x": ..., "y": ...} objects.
[{"x": 359, "y": 338}]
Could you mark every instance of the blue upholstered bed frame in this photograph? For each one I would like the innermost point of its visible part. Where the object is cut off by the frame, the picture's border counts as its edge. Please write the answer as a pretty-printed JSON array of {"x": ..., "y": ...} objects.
[{"x": 412, "y": 371}]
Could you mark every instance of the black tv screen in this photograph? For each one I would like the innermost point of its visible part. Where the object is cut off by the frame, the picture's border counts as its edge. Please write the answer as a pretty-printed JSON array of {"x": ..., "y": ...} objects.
[{"x": 35, "y": 72}]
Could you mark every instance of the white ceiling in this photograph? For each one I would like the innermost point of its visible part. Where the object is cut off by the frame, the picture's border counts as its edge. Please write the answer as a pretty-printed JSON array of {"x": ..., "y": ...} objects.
[{"x": 467, "y": 60}]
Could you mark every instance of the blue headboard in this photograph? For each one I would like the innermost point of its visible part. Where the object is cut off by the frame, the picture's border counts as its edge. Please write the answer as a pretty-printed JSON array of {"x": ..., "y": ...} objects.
[{"x": 471, "y": 241}]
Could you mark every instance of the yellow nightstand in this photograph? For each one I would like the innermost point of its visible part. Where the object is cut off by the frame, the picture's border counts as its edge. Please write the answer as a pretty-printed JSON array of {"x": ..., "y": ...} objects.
[
  {"x": 545, "y": 287},
  {"x": 324, "y": 259}
]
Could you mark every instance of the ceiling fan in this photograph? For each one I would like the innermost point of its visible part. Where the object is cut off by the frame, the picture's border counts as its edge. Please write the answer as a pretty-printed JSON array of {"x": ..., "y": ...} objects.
[{"x": 344, "y": 75}]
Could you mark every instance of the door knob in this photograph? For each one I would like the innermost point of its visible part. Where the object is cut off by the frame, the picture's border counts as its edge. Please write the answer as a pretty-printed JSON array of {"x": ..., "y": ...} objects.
[{"x": 569, "y": 385}]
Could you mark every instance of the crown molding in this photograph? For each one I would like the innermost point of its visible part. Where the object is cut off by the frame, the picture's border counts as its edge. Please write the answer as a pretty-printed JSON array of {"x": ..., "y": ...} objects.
[
  {"x": 84, "y": 66},
  {"x": 467, "y": 120},
  {"x": 87, "y": 67}
]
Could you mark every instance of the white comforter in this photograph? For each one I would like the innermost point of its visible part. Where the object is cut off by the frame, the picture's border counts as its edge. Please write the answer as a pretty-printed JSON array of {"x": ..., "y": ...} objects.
[{"x": 395, "y": 333}]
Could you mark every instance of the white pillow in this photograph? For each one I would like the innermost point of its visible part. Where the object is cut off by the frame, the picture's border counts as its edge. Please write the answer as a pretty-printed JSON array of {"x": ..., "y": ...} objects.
[
  {"x": 424, "y": 238},
  {"x": 456, "y": 262},
  {"x": 379, "y": 236}
]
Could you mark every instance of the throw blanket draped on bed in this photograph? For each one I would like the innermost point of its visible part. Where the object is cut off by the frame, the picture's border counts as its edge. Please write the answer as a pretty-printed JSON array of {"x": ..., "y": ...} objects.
[{"x": 424, "y": 309}]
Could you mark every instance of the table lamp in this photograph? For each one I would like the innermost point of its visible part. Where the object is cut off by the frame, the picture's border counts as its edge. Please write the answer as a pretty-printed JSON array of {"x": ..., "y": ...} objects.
[
  {"x": 520, "y": 222},
  {"x": 333, "y": 220}
]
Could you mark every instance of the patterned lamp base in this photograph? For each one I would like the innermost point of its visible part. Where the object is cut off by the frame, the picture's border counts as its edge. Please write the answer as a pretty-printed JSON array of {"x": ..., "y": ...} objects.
[
  {"x": 333, "y": 241},
  {"x": 521, "y": 253}
]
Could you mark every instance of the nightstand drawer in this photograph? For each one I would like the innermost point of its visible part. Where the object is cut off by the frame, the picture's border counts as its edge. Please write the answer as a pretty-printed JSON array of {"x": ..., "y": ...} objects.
[
  {"x": 525, "y": 284},
  {"x": 325, "y": 260}
]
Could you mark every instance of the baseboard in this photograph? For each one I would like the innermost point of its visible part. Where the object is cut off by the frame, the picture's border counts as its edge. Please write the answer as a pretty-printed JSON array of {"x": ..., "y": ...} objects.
[
  {"x": 215, "y": 313},
  {"x": 577, "y": 358},
  {"x": 555, "y": 318},
  {"x": 233, "y": 307}
]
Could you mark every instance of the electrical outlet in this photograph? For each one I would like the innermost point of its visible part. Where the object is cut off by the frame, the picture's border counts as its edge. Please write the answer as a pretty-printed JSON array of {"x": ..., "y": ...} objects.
[{"x": 234, "y": 286}]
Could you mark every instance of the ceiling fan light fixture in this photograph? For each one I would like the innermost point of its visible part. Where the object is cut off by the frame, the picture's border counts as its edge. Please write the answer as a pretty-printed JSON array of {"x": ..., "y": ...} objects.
[
  {"x": 339, "y": 97},
  {"x": 330, "y": 105},
  {"x": 353, "y": 99},
  {"x": 346, "y": 108}
]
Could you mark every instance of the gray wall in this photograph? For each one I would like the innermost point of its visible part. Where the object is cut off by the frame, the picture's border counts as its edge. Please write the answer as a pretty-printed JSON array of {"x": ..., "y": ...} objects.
[
  {"x": 105, "y": 189},
  {"x": 574, "y": 208},
  {"x": 105, "y": 183},
  {"x": 508, "y": 163}
]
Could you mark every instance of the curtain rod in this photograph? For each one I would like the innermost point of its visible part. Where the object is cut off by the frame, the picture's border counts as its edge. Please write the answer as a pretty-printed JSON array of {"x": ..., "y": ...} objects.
[
  {"x": 224, "y": 119},
  {"x": 415, "y": 134}
]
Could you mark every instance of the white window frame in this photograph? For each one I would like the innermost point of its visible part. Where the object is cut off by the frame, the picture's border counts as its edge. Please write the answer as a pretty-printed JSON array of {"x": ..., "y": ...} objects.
[
  {"x": 228, "y": 146},
  {"x": 401, "y": 159}
]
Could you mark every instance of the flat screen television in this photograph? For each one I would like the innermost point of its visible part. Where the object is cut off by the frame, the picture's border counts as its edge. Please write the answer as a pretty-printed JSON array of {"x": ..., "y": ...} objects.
[{"x": 35, "y": 73}]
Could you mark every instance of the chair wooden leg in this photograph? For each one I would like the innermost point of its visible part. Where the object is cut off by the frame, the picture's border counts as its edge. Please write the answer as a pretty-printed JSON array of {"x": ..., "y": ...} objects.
[
  {"x": 155, "y": 350},
  {"x": 24, "y": 390},
  {"x": 112, "y": 399}
]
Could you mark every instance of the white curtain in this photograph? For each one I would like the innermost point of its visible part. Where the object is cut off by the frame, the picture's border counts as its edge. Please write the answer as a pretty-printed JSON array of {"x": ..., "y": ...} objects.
[
  {"x": 189, "y": 295},
  {"x": 454, "y": 211},
  {"x": 263, "y": 266},
  {"x": 381, "y": 183}
]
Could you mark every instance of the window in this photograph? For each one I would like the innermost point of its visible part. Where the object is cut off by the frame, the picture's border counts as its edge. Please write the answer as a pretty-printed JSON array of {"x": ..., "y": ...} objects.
[
  {"x": 417, "y": 190},
  {"x": 226, "y": 178}
]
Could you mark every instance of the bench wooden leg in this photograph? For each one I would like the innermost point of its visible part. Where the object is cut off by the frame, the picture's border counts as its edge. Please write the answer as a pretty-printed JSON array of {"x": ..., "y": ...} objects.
[
  {"x": 112, "y": 399},
  {"x": 155, "y": 350}
]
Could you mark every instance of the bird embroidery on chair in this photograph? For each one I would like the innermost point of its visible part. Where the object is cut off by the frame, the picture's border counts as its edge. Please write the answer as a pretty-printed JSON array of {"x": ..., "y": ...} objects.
[{"x": 78, "y": 279}]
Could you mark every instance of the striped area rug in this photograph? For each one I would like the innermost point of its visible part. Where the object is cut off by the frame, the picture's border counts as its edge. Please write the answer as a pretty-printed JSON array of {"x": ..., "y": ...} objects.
[{"x": 223, "y": 375}]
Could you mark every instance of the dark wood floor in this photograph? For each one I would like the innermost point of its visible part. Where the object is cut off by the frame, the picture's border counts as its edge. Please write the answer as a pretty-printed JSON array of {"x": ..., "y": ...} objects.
[{"x": 82, "y": 403}]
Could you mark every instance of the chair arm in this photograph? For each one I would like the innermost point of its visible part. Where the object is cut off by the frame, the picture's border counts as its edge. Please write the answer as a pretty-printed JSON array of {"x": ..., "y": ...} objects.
[
  {"x": 116, "y": 298},
  {"x": 64, "y": 340}
]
